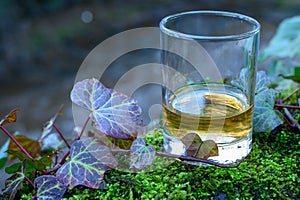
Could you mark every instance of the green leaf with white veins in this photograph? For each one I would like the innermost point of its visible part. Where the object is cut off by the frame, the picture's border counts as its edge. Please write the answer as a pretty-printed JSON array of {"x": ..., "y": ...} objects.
[
  {"x": 265, "y": 117},
  {"x": 262, "y": 82}
]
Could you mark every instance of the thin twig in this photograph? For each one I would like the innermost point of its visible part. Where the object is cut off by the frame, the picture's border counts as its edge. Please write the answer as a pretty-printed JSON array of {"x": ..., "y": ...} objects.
[
  {"x": 29, "y": 181},
  {"x": 64, "y": 158},
  {"x": 34, "y": 196},
  {"x": 61, "y": 135},
  {"x": 83, "y": 128},
  {"x": 199, "y": 160},
  {"x": 185, "y": 158},
  {"x": 55, "y": 168},
  {"x": 287, "y": 106},
  {"x": 291, "y": 118},
  {"x": 286, "y": 119},
  {"x": 16, "y": 142},
  {"x": 289, "y": 96}
]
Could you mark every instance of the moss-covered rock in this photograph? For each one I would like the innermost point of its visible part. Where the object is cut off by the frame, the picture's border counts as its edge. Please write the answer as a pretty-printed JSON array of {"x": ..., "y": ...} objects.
[{"x": 271, "y": 171}]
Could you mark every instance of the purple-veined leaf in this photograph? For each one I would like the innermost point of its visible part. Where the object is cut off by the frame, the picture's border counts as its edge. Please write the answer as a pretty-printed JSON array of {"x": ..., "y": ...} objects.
[
  {"x": 112, "y": 112},
  {"x": 48, "y": 187},
  {"x": 88, "y": 162},
  {"x": 13, "y": 183},
  {"x": 265, "y": 117},
  {"x": 141, "y": 155}
]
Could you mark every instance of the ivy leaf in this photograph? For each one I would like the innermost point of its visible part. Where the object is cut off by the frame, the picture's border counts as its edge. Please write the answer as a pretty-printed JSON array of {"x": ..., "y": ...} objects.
[
  {"x": 208, "y": 149},
  {"x": 10, "y": 117},
  {"x": 88, "y": 162},
  {"x": 13, "y": 183},
  {"x": 286, "y": 41},
  {"x": 112, "y": 113},
  {"x": 41, "y": 163},
  {"x": 265, "y": 117},
  {"x": 198, "y": 148},
  {"x": 141, "y": 155},
  {"x": 297, "y": 71},
  {"x": 38, "y": 164},
  {"x": 14, "y": 168},
  {"x": 192, "y": 142},
  {"x": 262, "y": 82},
  {"x": 31, "y": 146},
  {"x": 241, "y": 81},
  {"x": 2, "y": 162},
  {"x": 293, "y": 78},
  {"x": 48, "y": 187}
]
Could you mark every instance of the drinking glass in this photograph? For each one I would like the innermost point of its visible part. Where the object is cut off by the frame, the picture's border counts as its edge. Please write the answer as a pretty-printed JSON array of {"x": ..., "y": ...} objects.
[{"x": 209, "y": 67}]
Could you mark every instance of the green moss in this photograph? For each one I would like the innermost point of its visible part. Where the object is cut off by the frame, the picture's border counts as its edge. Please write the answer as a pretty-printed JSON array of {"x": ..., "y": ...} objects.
[{"x": 271, "y": 171}]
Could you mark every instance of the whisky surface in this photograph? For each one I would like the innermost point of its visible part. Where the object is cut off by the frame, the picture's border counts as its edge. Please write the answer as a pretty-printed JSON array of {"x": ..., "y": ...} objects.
[{"x": 214, "y": 111}]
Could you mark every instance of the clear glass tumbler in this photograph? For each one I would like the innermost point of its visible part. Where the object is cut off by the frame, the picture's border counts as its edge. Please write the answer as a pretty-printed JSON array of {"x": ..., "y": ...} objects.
[{"x": 209, "y": 67}]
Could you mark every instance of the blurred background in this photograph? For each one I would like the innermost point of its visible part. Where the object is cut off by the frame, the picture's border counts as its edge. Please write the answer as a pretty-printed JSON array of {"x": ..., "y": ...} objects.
[{"x": 43, "y": 43}]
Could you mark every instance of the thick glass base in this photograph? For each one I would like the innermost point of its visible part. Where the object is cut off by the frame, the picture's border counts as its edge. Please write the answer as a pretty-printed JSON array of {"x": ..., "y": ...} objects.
[{"x": 228, "y": 153}]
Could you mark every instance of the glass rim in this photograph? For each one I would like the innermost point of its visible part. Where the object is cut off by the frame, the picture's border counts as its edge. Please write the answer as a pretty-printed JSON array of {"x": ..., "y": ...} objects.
[{"x": 225, "y": 14}]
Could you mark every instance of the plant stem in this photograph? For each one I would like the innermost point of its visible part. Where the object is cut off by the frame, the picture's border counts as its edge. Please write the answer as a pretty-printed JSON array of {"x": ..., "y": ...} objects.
[
  {"x": 291, "y": 118},
  {"x": 34, "y": 197},
  {"x": 289, "y": 96},
  {"x": 61, "y": 135},
  {"x": 83, "y": 128},
  {"x": 200, "y": 160},
  {"x": 185, "y": 158},
  {"x": 55, "y": 168},
  {"x": 64, "y": 158},
  {"x": 29, "y": 181},
  {"x": 16, "y": 142},
  {"x": 287, "y": 106}
]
